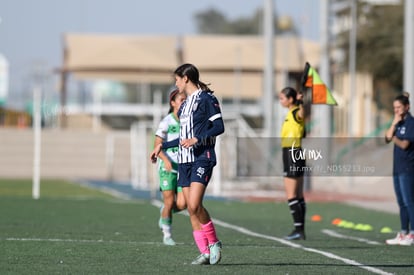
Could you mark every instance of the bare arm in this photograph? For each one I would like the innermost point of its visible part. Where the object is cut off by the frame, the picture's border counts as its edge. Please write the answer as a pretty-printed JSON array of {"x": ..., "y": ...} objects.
[
  {"x": 154, "y": 154},
  {"x": 158, "y": 146},
  {"x": 301, "y": 112},
  {"x": 390, "y": 134},
  {"x": 403, "y": 144},
  {"x": 167, "y": 163}
]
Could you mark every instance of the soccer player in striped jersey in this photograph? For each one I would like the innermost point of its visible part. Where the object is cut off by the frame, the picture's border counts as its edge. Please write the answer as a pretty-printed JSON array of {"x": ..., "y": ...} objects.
[
  {"x": 293, "y": 130},
  {"x": 200, "y": 122},
  {"x": 173, "y": 198}
]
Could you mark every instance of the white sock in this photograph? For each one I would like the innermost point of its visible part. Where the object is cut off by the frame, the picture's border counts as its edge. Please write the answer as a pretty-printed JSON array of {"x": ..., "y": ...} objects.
[{"x": 166, "y": 229}]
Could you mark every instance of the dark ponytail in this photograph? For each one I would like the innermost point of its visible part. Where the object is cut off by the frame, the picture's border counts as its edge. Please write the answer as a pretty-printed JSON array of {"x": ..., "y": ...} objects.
[
  {"x": 289, "y": 92},
  {"x": 192, "y": 74}
]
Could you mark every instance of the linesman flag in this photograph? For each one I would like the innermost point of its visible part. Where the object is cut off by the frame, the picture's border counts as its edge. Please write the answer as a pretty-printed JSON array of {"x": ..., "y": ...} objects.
[{"x": 320, "y": 92}]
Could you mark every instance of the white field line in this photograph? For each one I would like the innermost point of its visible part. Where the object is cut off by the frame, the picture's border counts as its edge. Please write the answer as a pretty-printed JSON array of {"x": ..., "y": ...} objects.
[
  {"x": 229, "y": 226},
  {"x": 77, "y": 241},
  {"x": 96, "y": 241},
  {"x": 292, "y": 244},
  {"x": 340, "y": 236},
  {"x": 107, "y": 190}
]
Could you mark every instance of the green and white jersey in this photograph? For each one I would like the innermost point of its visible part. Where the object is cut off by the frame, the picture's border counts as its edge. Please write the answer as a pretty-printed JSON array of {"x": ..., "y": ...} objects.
[{"x": 168, "y": 130}]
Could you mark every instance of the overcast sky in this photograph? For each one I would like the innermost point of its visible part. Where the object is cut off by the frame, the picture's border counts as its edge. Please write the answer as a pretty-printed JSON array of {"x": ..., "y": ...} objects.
[{"x": 31, "y": 30}]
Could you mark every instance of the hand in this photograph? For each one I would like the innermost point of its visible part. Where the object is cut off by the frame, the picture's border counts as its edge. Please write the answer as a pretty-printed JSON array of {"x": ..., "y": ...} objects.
[
  {"x": 168, "y": 166},
  {"x": 397, "y": 118},
  {"x": 299, "y": 99},
  {"x": 154, "y": 154},
  {"x": 187, "y": 143}
]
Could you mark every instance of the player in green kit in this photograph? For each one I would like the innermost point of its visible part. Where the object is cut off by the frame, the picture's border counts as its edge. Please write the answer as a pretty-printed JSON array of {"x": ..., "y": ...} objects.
[{"x": 168, "y": 130}]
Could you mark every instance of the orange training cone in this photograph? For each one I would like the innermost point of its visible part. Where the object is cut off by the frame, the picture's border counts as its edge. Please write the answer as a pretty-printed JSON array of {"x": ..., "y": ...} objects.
[
  {"x": 316, "y": 218},
  {"x": 336, "y": 221}
]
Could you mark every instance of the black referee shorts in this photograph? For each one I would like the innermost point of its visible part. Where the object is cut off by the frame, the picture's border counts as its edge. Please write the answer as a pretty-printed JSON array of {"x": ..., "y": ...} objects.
[{"x": 294, "y": 163}]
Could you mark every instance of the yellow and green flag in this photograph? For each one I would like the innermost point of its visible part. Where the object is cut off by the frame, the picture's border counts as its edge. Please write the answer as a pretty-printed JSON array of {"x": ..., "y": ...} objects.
[{"x": 320, "y": 92}]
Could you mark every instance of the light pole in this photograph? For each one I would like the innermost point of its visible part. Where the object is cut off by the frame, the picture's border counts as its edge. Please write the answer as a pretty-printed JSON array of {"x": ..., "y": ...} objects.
[
  {"x": 324, "y": 110},
  {"x": 409, "y": 47},
  {"x": 269, "y": 68},
  {"x": 352, "y": 66}
]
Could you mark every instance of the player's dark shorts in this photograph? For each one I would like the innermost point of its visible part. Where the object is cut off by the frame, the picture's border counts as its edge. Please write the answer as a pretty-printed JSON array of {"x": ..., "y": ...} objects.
[
  {"x": 293, "y": 165},
  {"x": 198, "y": 171}
]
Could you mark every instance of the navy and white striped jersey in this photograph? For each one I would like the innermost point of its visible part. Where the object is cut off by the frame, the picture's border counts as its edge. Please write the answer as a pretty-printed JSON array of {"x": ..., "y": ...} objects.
[{"x": 196, "y": 115}]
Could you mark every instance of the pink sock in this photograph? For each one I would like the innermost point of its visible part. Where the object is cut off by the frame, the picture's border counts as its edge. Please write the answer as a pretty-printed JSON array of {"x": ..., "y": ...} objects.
[
  {"x": 210, "y": 232},
  {"x": 201, "y": 241}
]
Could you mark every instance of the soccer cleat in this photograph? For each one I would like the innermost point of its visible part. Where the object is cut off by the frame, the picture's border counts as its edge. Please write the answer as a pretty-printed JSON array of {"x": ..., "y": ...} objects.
[
  {"x": 168, "y": 241},
  {"x": 202, "y": 259},
  {"x": 397, "y": 240},
  {"x": 407, "y": 240},
  {"x": 215, "y": 252},
  {"x": 296, "y": 235}
]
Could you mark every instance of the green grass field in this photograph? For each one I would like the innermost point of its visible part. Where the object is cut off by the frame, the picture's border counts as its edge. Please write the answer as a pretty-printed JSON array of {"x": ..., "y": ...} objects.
[{"x": 75, "y": 230}]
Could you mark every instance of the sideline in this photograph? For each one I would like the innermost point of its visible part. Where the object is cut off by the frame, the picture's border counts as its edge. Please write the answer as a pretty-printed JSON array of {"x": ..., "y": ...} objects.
[{"x": 291, "y": 244}]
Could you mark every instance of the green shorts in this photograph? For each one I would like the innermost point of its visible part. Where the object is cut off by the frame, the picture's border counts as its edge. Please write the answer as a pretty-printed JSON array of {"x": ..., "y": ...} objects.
[{"x": 168, "y": 181}]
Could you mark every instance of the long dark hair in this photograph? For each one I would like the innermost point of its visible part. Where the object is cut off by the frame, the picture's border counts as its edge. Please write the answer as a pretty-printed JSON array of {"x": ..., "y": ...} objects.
[
  {"x": 172, "y": 97},
  {"x": 289, "y": 92},
  {"x": 192, "y": 74}
]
